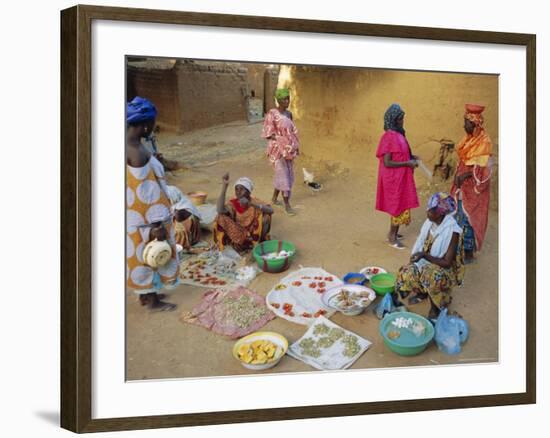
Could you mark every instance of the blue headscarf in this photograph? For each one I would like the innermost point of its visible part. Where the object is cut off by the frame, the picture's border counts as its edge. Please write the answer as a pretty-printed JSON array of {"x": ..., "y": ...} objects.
[
  {"x": 442, "y": 202},
  {"x": 393, "y": 113},
  {"x": 140, "y": 110}
]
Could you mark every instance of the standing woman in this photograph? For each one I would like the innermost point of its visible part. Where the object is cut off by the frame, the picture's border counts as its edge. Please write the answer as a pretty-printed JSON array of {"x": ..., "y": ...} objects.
[
  {"x": 472, "y": 181},
  {"x": 396, "y": 192},
  {"x": 147, "y": 210},
  {"x": 282, "y": 148}
]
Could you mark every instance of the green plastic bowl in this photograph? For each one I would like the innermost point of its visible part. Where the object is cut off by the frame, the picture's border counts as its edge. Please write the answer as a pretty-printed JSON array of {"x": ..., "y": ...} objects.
[
  {"x": 382, "y": 283},
  {"x": 407, "y": 344},
  {"x": 273, "y": 265}
]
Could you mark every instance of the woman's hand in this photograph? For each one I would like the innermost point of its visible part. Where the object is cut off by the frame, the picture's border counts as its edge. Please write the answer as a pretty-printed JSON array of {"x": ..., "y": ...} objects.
[
  {"x": 225, "y": 178},
  {"x": 417, "y": 256},
  {"x": 459, "y": 179}
]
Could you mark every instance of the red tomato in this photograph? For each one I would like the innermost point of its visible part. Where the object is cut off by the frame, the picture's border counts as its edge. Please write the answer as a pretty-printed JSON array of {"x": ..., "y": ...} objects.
[
  {"x": 313, "y": 285},
  {"x": 296, "y": 283},
  {"x": 275, "y": 305}
]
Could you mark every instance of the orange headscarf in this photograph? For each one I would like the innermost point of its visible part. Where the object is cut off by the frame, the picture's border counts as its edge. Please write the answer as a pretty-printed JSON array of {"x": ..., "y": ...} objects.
[{"x": 475, "y": 148}]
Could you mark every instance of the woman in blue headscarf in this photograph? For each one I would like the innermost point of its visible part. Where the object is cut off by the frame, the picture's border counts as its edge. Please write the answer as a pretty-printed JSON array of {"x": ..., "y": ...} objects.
[
  {"x": 148, "y": 215},
  {"x": 437, "y": 260}
]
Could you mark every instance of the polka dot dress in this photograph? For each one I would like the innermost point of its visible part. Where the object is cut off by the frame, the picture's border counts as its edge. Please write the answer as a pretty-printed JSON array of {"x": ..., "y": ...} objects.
[{"x": 146, "y": 203}]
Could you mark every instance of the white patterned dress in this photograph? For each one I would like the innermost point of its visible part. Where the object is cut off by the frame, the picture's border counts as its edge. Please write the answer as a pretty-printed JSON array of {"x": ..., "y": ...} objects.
[{"x": 147, "y": 203}]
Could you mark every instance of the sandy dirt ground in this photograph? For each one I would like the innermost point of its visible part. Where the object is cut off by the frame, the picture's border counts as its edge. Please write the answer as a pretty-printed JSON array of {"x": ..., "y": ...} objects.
[{"x": 336, "y": 229}]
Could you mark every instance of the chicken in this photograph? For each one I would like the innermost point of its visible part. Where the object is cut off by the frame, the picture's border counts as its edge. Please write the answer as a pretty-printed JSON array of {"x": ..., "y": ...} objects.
[
  {"x": 308, "y": 176},
  {"x": 309, "y": 179}
]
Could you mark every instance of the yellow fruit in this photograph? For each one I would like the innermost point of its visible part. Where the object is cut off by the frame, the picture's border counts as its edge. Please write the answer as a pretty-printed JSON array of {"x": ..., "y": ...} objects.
[{"x": 243, "y": 349}]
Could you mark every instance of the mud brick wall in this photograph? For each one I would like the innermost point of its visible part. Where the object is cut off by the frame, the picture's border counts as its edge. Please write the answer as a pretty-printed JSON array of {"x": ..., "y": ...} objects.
[
  {"x": 159, "y": 86},
  {"x": 271, "y": 78},
  {"x": 211, "y": 94}
]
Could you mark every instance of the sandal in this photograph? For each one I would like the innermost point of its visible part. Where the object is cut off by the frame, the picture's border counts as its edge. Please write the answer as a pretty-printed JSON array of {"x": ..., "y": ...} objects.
[{"x": 397, "y": 245}]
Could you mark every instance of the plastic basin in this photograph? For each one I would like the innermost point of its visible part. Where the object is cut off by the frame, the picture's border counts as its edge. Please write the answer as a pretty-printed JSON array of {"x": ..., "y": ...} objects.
[
  {"x": 273, "y": 265},
  {"x": 408, "y": 343},
  {"x": 382, "y": 283}
]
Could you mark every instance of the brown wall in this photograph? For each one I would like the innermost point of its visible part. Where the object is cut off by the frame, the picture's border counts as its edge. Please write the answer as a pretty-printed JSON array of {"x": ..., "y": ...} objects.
[
  {"x": 197, "y": 94},
  {"x": 255, "y": 77},
  {"x": 271, "y": 77},
  {"x": 211, "y": 94},
  {"x": 159, "y": 86},
  {"x": 339, "y": 112}
]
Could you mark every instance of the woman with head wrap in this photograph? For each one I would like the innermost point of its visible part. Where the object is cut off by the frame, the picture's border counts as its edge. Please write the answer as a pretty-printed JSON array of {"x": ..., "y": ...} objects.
[
  {"x": 147, "y": 210},
  {"x": 396, "y": 190},
  {"x": 244, "y": 221},
  {"x": 437, "y": 263},
  {"x": 471, "y": 187},
  {"x": 282, "y": 147},
  {"x": 186, "y": 221},
  {"x": 140, "y": 109}
]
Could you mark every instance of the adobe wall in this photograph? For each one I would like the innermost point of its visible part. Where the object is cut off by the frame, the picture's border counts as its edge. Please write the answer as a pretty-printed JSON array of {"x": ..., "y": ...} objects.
[
  {"x": 158, "y": 85},
  {"x": 211, "y": 94}
]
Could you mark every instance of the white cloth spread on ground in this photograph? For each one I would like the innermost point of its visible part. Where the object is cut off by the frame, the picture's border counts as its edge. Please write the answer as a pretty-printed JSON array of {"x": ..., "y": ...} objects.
[
  {"x": 297, "y": 297},
  {"x": 442, "y": 234},
  {"x": 214, "y": 269},
  {"x": 327, "y": 346}
]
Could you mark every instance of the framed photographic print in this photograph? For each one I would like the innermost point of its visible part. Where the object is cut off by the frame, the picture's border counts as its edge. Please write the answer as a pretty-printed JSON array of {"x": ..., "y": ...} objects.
[{"x": 304, "y": 218}]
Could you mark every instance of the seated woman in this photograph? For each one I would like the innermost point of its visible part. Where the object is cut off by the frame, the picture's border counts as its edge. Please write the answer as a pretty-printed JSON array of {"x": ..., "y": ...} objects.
[
  {"x": 244, "y": 221},
  {"x": 186, "y": 219},
  {"x": 437, "y": 261}
]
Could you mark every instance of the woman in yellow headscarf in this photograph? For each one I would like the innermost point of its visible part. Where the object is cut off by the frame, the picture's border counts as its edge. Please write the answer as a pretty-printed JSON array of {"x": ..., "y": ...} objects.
[{"x": 471, "y": 187}]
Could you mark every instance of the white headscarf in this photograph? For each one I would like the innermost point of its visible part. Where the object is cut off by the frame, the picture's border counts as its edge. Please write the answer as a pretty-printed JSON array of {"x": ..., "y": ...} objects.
[
  {"x": 246, "y": 183},
  {"x": 181, "y": 202}
]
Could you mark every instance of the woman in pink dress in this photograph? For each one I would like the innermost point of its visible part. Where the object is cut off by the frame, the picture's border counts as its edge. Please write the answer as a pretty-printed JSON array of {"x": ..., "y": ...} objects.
[
  {"x": 282, "y": 148},
  {"x": 396, "y": 192}
]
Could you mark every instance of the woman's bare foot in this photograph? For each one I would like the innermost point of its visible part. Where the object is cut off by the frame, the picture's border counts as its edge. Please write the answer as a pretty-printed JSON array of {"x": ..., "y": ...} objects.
[
  {"x": 434, "y": 312},
  {"x": 154, "y": 303},
  {"x": 276, "y": 202},
  {"x": 290, "y": 211},
  {"x": 415, "y": 298}
]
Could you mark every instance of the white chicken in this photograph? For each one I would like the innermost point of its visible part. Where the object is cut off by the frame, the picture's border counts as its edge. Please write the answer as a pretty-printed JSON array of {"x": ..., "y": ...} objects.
[
  {"x": 309, "y": 179},
  {"x": 308, "y": 176}
]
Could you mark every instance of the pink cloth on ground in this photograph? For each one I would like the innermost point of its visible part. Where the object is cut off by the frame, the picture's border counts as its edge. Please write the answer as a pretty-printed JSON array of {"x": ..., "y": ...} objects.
[
  {"x": 396, "y": 191},
  {"x": 212, "y": 312}
]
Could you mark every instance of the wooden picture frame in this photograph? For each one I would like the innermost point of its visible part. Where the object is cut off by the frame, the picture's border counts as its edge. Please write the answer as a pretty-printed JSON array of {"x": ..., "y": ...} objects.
[{"x": 76, "y": 226}]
